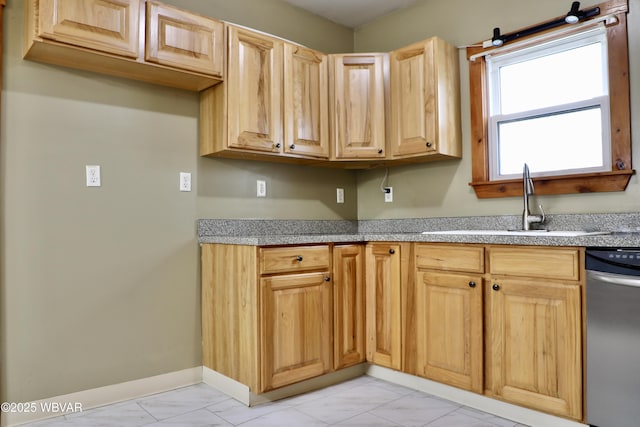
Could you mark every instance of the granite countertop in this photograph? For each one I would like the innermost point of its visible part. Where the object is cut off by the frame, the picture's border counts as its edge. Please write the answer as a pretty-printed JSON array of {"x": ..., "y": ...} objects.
[{"x": 624, "y": 231}]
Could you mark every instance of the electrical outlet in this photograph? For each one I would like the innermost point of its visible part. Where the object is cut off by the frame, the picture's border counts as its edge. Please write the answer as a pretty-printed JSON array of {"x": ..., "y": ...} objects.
[
  {"x": 185, "y": 181},
  {"x": 388, "y": 194},
  {"x": 93, "y": 175},
  {"x": 261, "y": 188},
  {"x": 339, "y": 195}
]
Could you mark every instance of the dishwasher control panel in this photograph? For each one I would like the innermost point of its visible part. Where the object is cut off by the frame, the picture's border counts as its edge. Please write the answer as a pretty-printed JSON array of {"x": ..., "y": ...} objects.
[{"x": 614, "y": 260}]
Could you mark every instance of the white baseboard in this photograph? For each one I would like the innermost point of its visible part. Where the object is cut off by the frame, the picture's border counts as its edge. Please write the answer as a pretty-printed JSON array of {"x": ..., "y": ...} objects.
[
  {"x": 243, "y": 394},
  {"x": 486, "y": 404},
  {"x": 147, "y": 386},
  {"x": 101, "y": 396}
]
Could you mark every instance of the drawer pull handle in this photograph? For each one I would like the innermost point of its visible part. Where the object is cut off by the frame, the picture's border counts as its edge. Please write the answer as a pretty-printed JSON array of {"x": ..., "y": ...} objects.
[
  {"x": 292, "y": 147},
  {"x": 428, "y": 144},
  {"x": 299, "y": 258},
  {"x": 472, "y": 284},
  {"x": 495, "y": 287},
  {"x": 379, "y": 150},
  {"x": 278, "y": 145},
  {"x": 327, "y": 278},
  {"x": 392, "y": 251}
]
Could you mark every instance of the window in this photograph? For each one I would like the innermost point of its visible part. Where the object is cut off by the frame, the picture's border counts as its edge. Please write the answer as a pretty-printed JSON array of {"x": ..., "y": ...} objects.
[
  {"x": 550, "y": 99},
  {"x": 561, "y": 106}
]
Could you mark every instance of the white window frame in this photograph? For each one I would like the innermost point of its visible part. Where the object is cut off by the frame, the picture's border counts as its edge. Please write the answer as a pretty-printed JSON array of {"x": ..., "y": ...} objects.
[{"x": 495, "y": 61}]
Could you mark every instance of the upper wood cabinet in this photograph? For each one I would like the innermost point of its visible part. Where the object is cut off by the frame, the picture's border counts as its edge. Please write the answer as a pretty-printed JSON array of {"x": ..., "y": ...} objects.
[
  {"x": 306, "y": 109},
  {"x": 251, "y": 96},
  {"x": 358, "y": 95},
  {"x": 425, "y": 101},
  {"x": 109, "y": 26},
  {"x": 133, "y": 39},
  {"x": 273, "y": 104},
  {"x": 181, "y": 39}
]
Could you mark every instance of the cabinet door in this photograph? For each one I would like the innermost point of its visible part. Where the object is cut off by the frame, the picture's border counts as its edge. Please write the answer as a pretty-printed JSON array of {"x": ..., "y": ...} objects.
[
  {"x": 348, "y": 305},
  {"x": 306, "y": 107},
  {"x": 106, "y": 25},
  {"x": 384, "y": 333},
  {"x": 254, "y": 86},
  {"x": 413, "y": 99},
  {"x": 295, "y": 328},
  {"x": 181, "y": 39},
  {"x": 536, "y": 344},
  {"x": 449, "y": 329},
  {"x": 358, "y": 105},
  {"x": 425, "y": 100}
]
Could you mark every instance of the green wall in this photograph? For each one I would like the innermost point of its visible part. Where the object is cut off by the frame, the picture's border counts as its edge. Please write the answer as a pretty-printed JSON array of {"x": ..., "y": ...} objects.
[
  {"x": 442, "y": 189},
  {"x": 101, "y": 285}
]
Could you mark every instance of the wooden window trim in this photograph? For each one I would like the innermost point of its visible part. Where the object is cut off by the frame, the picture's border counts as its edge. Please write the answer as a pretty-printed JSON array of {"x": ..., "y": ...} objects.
[{"x": 619, "y": 98}]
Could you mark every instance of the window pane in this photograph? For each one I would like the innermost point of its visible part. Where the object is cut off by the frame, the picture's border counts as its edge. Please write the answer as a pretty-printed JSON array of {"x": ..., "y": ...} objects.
[
  {"x": 559, "y": 78},
  {"x": 567, "y": 140}
]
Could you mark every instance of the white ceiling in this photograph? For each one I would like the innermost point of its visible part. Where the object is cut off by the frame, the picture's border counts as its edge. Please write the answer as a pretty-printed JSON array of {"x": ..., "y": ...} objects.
[{"x": 351, "y": 13}]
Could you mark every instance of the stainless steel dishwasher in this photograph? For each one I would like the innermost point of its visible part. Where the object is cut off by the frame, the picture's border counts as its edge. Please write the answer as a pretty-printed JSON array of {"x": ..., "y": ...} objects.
[{"x": 613, "y": 337}]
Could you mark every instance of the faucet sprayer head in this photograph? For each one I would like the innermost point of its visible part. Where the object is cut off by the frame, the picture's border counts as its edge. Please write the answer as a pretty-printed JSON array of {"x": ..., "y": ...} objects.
[{"x": 528, "y": 182}]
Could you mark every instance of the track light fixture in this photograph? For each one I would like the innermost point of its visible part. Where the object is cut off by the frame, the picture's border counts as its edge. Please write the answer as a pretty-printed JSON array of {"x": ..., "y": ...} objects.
[
  {"x": 575, "y": 15},
  {"x": 497, "y": 38}
]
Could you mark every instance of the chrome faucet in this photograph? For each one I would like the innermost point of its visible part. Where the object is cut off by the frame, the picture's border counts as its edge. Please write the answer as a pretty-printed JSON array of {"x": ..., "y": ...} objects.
[{"x": 528, "y": 190}]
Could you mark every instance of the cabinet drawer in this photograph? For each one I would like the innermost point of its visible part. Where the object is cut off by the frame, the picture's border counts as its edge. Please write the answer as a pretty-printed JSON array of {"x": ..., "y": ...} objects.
[
  {"x": 294, "y": 258},
  {"x": 450, "y": 257},
  {"x": 535, "y": 262}
]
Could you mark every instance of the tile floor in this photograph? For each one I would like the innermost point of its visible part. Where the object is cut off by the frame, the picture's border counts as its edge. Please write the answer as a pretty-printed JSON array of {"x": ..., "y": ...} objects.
[{"x": 363, "y": 401}]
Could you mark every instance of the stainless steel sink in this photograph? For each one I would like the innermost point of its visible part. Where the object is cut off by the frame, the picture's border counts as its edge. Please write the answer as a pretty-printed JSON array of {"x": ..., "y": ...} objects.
[{"x": 549, "y": 233}]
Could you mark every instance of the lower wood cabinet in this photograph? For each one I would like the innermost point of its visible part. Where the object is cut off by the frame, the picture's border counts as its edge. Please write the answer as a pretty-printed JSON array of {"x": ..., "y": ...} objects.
[
  {"x": 522, "y": 304},
  {"x": 449, "y": 315},
  {"x": 271, "y": 315},
  {"x": 384, "y": 305},
  {"x": 502, "y": 320},
  {"x": 534, "y": 334},
  {"x": 348, "y": 305},
  {"x": 295, "y": 327}
]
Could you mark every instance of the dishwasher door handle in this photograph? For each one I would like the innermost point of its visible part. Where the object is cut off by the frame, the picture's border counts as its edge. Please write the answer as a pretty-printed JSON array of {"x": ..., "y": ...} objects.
[{"x": 614, "y": 279}]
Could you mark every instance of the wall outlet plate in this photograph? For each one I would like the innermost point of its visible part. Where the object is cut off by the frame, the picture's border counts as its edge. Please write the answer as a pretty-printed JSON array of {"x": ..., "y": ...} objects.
[
  {"x": 261, "y": 188},
  {"x": 185, "y": 181},
  {"x": 339, "y": 195},
  {"x": 388, "y": 194},
  {"x": 93, "y": 175}
]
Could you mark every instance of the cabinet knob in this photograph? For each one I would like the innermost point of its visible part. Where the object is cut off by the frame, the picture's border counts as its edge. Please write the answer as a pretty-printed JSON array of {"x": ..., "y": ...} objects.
[
  {"x": 392, "y": 251},
  {"x": 495, "y": 287},
  {"x": 299, "y": 257},
  {"x": 429, "y": 145},
  {"x": 292, "y": 146},
  {"x": 327, "y": 278},
  {"x": 472, "y": 284},
  {"x": 379, "y": 150},
  {"x": 277, "y": 145}
]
